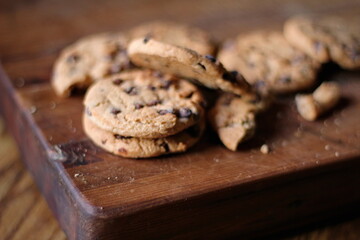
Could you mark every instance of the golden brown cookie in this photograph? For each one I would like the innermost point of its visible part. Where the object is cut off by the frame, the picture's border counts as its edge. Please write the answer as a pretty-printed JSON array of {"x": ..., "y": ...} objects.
[
  {"x": 328, "y": 38},
  {"x": 269, "y": 62},
  {"x": 144, "y": 104},
  {"x": 150, "y": 53},
  {"x": 132, "y": 147},
  {"x": 89, "y": 59}
]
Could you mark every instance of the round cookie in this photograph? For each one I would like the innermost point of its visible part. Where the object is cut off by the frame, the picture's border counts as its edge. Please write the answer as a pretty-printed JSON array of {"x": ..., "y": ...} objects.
[
  {"x": 176, "y": 34},
  {"x": 269, "y": 62},
  {"x": 325, "y": 39},
  {"x": 233, "y": 119},
  {"x": 186, "y": 63},
  {"x": 142, "y": 147},
  {"x": 144, "y": 104},
  {"x": 88, "y": 60}
]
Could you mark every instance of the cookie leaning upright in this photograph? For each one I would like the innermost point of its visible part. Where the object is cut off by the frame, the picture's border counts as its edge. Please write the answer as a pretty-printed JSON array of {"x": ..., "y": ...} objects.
[
  {"x": 325, "y": 39},
  {"x": 150, "y": 53},
  {"x": 89, "y": 59},
  {"x": 233, "y": 118},
  {"x": 177, "y": 34},
  {"x": 269, "y": 62},
  {"x": 144, "y": 104}
]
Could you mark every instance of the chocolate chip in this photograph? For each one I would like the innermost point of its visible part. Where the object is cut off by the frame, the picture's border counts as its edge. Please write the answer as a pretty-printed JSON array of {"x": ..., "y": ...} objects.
[
  {"x": 73, "y": 58},
  {"x": 138, "y": 105},
  {"x": 318, "y": 46},
  {"x": 115, "y": 111},
  {"x": 165, "y": 84},
  {"x": 103, "y": 141},
  {"x": 146, "y": 39},
  {"x": 185, "y": 112},
  {"x": 285, "y": 79},
  {"x": 165, "y": 146},
  {"x": 117, "y": 81},
  {"x": 88, "y": 112},
  {"x": 157, "y": 74},
  {"x": 153, "y": 103},
  {"x": 202, "y": 66},
  {"x": 117, "y": 136},
  {"x": 165, "y": 111},
  {"x": 122, "y": 150},
  {"x": 211, "y": 58},
  {"x": 151, "y": 87},
  {"x": 131, "y": 91}
]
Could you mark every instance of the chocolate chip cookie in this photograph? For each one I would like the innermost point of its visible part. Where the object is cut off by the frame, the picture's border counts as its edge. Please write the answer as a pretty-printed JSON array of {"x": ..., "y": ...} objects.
[
  {"x": 207, "y": 70},
  {"x": 144, "y": 104},
  {"x": 269, "y": 62},
  {"x": 325, "y": 39},
  {"x": 88, "y": 60},
  {"x": 176, "y": 34},
  {"x": 132, "y": 147},
  {"x": 233, "y": 118}
]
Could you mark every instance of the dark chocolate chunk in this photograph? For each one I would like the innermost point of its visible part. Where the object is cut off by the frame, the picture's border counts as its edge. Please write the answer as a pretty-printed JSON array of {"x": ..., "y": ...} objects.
[
  {"x": 185, "y": 112},
  {"x": 138, "y": 105},
  {"x": 202, "y": 66},
  {"x": 88, "y": 112},
  {"x": 117, "y": 81},
  {"x": 131, "y": 91},
  {"x": 73, "y": 58},
  {"x": 117, "y": 136},
  {"x": 165, "y": 84},
  {"x": 318, "y": 46},
  {"x": 285, "y": 79},
  {"x": 165, "y": 111},
  {"x": 115, "y": 111},
  {"x": 151, "y": 87},
  {"x": 211, "y": 58},
  {"x": 153, "y": 103},
  {"x": 146, "y": 39},
  {"x": 165, "y": 146}
]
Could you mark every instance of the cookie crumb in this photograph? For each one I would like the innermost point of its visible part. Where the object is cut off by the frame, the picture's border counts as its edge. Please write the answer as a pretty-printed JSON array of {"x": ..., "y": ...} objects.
[
  {"x": 264, "y": 149},
  {"x": 33, "y": 109},
  {"x": 77, "y": 175}
]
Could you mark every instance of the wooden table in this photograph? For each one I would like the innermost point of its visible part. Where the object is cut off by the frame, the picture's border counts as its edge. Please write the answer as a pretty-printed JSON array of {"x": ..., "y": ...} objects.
[
  {"x": 24, "y": 213},
  {"x": 32, "y": 33}
]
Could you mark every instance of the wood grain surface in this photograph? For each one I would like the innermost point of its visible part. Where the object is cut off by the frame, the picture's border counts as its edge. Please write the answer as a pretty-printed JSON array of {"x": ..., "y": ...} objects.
[
  {"x": 33, "y": 32},
  {"x": 24, "y": 213}
]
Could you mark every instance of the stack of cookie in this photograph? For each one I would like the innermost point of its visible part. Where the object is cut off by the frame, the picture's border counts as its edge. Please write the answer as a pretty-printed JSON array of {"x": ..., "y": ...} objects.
[{"x": 143, "y": 113}]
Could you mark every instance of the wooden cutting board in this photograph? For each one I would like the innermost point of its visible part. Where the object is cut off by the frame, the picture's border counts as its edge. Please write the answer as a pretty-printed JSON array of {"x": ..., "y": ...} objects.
[{"x": 311, "y": 172}]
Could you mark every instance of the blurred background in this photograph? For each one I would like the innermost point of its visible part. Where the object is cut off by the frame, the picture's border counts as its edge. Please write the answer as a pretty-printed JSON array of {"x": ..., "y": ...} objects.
[{"x": 32, "y": 32}]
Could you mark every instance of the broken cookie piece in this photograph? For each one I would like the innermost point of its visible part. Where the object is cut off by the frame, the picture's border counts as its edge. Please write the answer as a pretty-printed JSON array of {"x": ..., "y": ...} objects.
[
  {"x": 325, "y": 97},
  {"x": 233, "y": 118}
]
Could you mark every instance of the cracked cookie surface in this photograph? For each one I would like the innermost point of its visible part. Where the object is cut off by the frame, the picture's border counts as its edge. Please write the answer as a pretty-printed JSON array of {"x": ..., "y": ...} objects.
[
  {"x": 186, "y": 63},
  {"x": 89, "y": 59},
  {"x": 144, "y": 104},
  {"x": 329, "y": 38},
  {"x": 132, "y": 147},
  {"x": 269, "y": 62}
]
